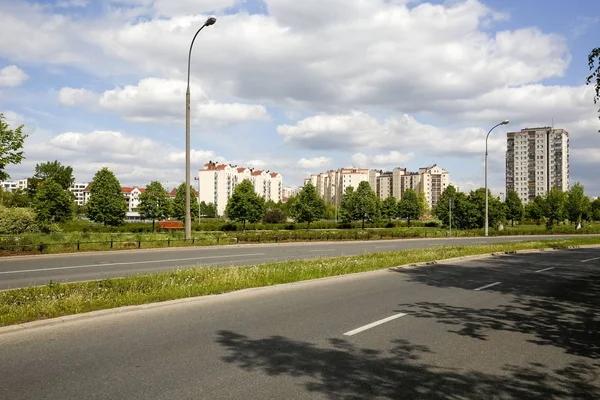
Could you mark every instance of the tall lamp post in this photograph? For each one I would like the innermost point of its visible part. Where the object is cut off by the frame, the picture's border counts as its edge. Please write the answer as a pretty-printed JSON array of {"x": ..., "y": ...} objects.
[
  {"x": 505, "y": 122},
  {"x": 188, "y": 214}
]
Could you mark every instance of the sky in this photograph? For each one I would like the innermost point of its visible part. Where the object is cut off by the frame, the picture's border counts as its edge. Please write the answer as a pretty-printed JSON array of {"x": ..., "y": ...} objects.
[{"x": 296, "y": 87}]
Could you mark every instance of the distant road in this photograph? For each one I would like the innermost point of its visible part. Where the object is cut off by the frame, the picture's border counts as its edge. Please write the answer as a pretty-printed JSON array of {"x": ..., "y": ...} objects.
[
  {"x": 37, "y": 270},
  {"x": 511, "y": 327}
]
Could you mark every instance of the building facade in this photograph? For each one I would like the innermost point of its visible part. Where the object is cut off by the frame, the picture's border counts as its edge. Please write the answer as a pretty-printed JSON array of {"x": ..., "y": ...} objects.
[
  {"x": 537, "y": 159},
  {"x": 217, "y": 182},
  {"x": 431, "y": 180},
  {"x": 10, "y": 186},
  {"x": 82, "y": 195}
]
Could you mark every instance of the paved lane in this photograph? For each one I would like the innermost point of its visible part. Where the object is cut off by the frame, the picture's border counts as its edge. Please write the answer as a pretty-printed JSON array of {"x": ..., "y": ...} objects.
[
  {"x": 38, "y": 270},
  {"x": 535, "y": 335}
]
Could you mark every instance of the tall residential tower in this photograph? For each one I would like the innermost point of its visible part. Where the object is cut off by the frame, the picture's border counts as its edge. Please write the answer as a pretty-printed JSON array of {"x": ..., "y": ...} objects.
[{"x": 537, "y": 159}]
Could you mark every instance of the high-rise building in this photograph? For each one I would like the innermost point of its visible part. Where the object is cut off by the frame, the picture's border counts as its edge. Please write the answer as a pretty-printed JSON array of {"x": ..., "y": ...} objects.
[{"x": 537, "y": 159}]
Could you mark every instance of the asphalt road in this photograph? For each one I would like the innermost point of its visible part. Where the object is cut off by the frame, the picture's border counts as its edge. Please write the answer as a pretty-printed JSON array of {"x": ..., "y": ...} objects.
[
  {"x": 38, "y": 270},
  {"x": 510, "y": 327}
]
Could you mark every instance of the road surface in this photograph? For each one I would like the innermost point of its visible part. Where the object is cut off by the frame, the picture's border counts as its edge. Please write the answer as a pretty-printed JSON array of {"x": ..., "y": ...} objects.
[
  {"x": 39, "y": 270},
  {"x": 511, "y": 327}
]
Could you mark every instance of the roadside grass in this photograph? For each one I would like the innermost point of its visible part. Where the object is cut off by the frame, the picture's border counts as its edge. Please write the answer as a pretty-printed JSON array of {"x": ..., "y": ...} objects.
[{"x": 55, "y": 300}]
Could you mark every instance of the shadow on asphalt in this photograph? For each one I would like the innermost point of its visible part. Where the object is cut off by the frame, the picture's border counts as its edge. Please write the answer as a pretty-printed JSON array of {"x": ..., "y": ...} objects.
[
  {"x": 344, "y": 371},
  {"x": 559, "y": 308}
]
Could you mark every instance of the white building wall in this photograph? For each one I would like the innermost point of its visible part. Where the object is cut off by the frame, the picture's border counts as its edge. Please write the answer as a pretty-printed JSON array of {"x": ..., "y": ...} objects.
[
  {"x": 10, "y": 186},
  {"x": 81, "y": 195}
]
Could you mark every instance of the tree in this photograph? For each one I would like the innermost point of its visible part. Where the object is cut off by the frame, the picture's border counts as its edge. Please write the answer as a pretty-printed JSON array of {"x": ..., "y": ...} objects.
[
  {"x": 61, "y": 174},
  {"x": 536, "y": 210},
  {"x": 465, "y": 214},
  {"x": 366, "y": 203},
  {"x": 595, "y": 209},
  {"x": 53, "y": 204},
  {"x": 17, "y": 198},
  {"x": 208, "y": 210},
  {"x": 423, "y": 205},
  {"x": 178, "y": 206},
  {"x": 347, "y": 211},
  {"x": 441, "y": 209},
  {"x": 408, "y": 207},
  {"x": 244, "y": 204},
  {"x": 593, "y": 58},
  {"x": 154, "y": 203},
  {"x": 555, "y": 205},
  {"x": 389, "y": 208},
  {"x": 11, "y": 146},
  {"x": 107, "y": 204},
  {"x": 576, "y": 203},
  {"x": 16, "y": 221},
  {"x": 308, "y": 206},
  {"x": 514, "y": 207},
  {"x": 496, "y": 208}
]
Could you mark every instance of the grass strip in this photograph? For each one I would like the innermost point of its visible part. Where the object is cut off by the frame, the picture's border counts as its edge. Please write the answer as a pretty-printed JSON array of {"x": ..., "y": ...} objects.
[{"x": 55, "y": 300}]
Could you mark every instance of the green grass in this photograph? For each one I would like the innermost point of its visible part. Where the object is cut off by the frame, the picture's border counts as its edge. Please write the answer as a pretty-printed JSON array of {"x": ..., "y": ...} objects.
[{"x": 54, "y": 300}]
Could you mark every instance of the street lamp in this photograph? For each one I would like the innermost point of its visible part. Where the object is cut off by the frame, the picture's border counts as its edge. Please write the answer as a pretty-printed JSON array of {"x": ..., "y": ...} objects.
[
  {"x": 188, "y": 214},
  {"x": 505, "y": 122}
]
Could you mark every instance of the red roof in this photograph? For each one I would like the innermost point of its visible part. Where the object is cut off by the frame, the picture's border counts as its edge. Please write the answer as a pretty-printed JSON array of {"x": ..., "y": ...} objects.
[
  {"x": 126, "y": 189},
  {"x": 222, "y": 166},
  {"x": 241, "y": 169},
  {"x": 255, "y": 173},
  {"x": 274, "y": 174}
]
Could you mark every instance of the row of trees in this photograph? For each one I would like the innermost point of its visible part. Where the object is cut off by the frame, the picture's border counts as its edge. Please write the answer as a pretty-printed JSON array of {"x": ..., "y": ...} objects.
[{"x": 468, "y": 211}]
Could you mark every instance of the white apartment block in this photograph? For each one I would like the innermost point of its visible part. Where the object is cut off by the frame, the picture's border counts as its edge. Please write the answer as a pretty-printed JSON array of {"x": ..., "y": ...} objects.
[
  {"x": 10, "y": 186},
  {"x": 132, "y": 197},
  {"x": 217, "y": 182},
  {"x": 537, "y": 159},
  {"x": 81, "y": 193},
  {"x": 431, "y": 180},
  {"x": 289, "y": 192}
]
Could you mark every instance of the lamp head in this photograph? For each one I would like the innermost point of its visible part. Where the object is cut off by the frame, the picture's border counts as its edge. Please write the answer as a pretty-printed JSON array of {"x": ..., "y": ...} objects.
[
  {"x": 505, "y": 122},
  {"x": 210, "y": 21}
]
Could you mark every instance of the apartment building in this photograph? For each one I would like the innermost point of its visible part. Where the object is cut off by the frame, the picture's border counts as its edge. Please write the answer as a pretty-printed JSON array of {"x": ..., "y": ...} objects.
[
  {"x": 10, "y": 186},
  {"x": 430, "y": 180},
  {"x": 537, "y": 159},
  {"x": 217, "y": 182},
  {"x": 82, "y": 195}
]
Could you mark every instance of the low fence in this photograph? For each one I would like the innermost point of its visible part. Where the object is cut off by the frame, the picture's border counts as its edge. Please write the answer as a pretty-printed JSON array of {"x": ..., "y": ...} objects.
[{"x": 15, "y": 246}]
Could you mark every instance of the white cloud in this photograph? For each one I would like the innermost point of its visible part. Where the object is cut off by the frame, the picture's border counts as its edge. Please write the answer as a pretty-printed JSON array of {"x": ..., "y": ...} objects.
[
  {"x": 314, "y": 163},
  {"x": 12, "y": 76},
  {"x": 392, "y": 158},
  {"x": 162, "y": 100},
  {"x": 77, "y": 97},
  {"x": 360, "y": 160},
  {"x": 359, "y": 130}
]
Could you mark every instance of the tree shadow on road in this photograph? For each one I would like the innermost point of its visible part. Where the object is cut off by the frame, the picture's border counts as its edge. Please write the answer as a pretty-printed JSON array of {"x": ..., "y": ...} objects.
[
  {"x": 559, "y": 309},
  {"x": 340, "y": 370}
]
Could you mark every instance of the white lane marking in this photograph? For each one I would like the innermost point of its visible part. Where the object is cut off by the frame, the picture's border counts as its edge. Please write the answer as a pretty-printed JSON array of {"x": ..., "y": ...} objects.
[
  {"x": 488, "y": 286},
  {"x": 130, "y": 263},
  {"x": 546, "y": 269},
  {"x": 316, "y": 251},
  {"x": 373, "y": 324},
  {"x": 591, "y": 259}
]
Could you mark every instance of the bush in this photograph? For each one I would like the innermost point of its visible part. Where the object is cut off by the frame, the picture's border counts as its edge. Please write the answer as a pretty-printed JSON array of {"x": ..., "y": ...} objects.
[
  {"x": 390, "y": 225},
  {"x": 290, "y": 227},
  {"x": 229, "y": 227},
  {"x": 274, "y": 216},
  {"x": 345, "y": 225},
  {"x": 15, "y": 221}
]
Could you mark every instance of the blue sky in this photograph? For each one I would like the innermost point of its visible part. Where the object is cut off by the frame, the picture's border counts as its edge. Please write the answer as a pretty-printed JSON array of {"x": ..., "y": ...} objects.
[{"x": 296, "y": 87}]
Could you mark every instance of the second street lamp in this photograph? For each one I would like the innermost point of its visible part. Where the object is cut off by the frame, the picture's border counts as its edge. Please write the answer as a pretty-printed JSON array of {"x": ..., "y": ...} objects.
[
  {"x": 505, "y": 122},
  {"x": 188, "y": 214}
]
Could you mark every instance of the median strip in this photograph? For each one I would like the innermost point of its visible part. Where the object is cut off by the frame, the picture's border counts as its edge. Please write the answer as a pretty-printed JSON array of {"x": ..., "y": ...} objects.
[{"x": 56, "y": 300}]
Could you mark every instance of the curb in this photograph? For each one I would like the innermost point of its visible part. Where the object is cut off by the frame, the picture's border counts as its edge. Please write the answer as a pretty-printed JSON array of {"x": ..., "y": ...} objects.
[{"x": 125, "y": 309}]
